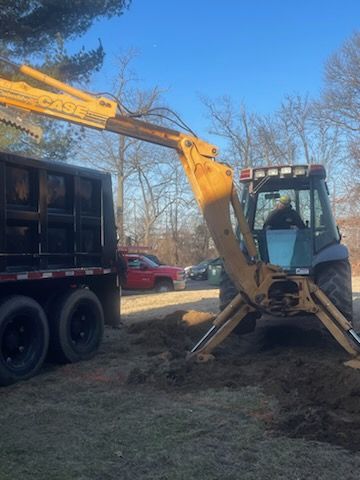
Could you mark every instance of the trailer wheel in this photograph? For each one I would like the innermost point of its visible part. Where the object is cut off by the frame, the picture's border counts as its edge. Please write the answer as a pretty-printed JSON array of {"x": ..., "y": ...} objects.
[
  {"x": 24, "y": 338},
  {"x": 164, "y": 285},
  {"x": 77, "y": 326}
]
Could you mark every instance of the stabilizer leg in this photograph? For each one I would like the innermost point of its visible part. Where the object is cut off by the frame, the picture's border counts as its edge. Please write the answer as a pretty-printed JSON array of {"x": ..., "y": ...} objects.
[
  {"x": 339, "y": 327},
  {"x": 222, "y": 326}
]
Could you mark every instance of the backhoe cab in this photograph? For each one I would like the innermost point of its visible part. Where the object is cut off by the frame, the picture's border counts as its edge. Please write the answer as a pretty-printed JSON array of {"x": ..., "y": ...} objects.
[{"x": 308, "y": 247}]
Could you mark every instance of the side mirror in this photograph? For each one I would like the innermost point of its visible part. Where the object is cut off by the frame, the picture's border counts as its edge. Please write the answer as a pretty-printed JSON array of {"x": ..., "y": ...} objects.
[{"x": 143, "y": 266}]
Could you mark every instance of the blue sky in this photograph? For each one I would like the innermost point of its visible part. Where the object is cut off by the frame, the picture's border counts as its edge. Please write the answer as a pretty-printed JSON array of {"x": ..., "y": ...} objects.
[{"x": 255, "y": 51}]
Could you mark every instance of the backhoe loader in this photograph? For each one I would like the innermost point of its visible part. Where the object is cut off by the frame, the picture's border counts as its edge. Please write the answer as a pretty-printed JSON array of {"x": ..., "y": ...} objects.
[
  {"x": 299, "y": 235},
  {"x": 262, "y": 286}
]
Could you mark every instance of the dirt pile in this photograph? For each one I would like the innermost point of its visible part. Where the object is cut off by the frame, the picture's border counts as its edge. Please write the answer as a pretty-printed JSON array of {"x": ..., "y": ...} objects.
[
  {"x": 318, "y": 397},
  {"x": 298, "y": 365},
  {"x": 320, "y": 401},
  {"x": 173, "y": 334},
  {"x": 167, "y": 341}
]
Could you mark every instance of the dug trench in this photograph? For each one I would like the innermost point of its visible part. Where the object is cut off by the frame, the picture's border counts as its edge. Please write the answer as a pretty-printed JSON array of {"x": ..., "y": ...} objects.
[{"x": 296, "y": 364}]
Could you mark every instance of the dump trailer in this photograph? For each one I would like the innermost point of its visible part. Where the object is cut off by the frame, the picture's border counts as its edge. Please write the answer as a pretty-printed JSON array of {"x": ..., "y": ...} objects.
[
  {"x": 58, "y": 275},
  {"x": 262, "y": 286}
]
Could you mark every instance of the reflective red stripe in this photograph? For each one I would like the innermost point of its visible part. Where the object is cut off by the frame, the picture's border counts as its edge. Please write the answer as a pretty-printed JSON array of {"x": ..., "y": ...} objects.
[
  {"x": 100, "y": 271},
  {"x": 8, "y": 278},
  {"x": 35, "y": 275},
  {"x": 79, "y": 272},
  {"x": 60, "y": 274}
]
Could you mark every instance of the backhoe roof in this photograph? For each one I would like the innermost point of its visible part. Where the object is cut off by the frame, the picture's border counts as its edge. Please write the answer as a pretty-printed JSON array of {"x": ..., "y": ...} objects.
[{"x": 282, "y": 171}]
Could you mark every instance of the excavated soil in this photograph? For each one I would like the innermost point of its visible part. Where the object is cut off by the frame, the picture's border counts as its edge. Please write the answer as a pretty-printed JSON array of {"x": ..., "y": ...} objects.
[{"x": 296, "y": 363}]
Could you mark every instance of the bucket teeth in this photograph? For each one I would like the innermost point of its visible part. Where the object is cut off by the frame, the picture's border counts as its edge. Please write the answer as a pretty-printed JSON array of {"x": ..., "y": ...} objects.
[{"x": 14, "y": 119}]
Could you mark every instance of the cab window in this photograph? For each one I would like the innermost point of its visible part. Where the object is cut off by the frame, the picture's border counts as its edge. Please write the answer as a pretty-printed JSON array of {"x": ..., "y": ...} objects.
[
  {"x": 134, "y": 263},
  {"x": 267, "y": 201},
  {"x": 324, "y": 226}
]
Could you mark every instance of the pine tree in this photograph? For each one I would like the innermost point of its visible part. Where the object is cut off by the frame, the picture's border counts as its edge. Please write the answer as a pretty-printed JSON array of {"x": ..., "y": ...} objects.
[{"x": 37, "y": 31}]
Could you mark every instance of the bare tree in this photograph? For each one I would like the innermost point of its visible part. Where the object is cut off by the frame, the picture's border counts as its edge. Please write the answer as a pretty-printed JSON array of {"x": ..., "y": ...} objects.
[
  {"x": 274, "y": 144},
  {"x": 295, "y": 113},
  {"x": 313, "y": 138},
  {"x": 181, "y": 207},
  {"x": 236, "y": 126},
  {"x": 151, "y": 178},
  {"x": 297, "y": 132},
  {"x": 158, "y": 202},
  {"x": 341, "y": 96},
  {"x": 341, "y": 106},
  {"x": 120, "y": 155}
]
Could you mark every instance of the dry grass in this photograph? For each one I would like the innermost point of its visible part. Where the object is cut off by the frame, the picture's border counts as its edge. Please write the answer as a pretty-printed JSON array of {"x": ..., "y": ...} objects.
[
  {"x": 147, "y": 305},
  {"x": 84, "y": 422}
]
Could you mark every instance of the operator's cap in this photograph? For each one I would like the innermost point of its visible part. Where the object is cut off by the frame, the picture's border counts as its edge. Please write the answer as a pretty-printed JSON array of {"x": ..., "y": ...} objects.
[{"x": 285, "y": 199}]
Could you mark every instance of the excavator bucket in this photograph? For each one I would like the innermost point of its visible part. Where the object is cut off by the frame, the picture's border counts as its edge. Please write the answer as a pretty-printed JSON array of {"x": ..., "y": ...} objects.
[{"x": 20, "y": 121}]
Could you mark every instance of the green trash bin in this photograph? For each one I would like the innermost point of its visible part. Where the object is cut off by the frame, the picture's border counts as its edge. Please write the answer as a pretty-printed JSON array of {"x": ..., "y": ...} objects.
[{"x": 214, "y": 274}]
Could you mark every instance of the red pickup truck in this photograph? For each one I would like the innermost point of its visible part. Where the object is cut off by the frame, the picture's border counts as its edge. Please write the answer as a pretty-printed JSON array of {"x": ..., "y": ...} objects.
[{"x": 143, "y": 273}]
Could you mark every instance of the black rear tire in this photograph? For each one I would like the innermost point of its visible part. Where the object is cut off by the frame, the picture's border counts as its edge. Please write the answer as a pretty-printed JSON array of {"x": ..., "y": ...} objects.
[
  {"x": 334, "y": 279},
  {"x": 24, "y": 338},
  {"x": 77, "y": 326},
  {"x": 227, "y": 291}
]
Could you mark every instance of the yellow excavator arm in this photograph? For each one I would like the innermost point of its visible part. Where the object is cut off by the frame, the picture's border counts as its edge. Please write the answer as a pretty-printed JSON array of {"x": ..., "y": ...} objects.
[
  {"x": 73, "y": 105},
  {"x": 212, "y": 182}
]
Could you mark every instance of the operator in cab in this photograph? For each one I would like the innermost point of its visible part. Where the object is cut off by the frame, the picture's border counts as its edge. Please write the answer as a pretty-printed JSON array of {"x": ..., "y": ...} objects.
[{"x": 283, "y": 216}]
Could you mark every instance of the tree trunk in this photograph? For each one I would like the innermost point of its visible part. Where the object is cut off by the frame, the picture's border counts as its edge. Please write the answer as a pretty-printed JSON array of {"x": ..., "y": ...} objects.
[
  {"x": 120, "y": 208},
  {"x": 120, "y": 191}
]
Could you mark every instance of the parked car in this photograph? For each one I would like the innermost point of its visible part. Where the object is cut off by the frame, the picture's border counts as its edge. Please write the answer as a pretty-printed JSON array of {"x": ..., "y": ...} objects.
[
  {"x": 200, "y": 271},
  {"x": 144, "y": 274},
  {"x": 187, "y": 271}
]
